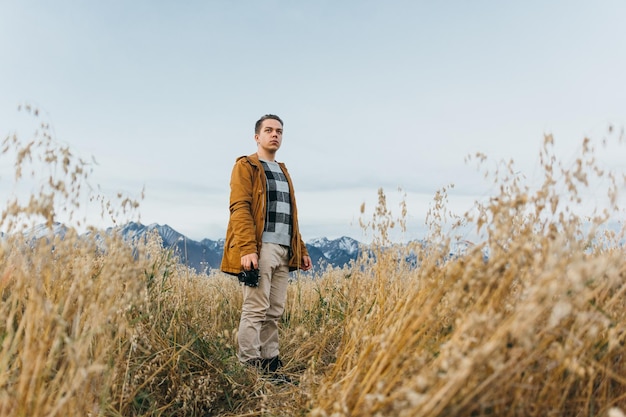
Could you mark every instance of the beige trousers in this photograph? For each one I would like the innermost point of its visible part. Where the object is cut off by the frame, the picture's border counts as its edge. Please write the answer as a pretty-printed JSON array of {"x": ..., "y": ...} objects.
[{"x": 263, "y": 306}]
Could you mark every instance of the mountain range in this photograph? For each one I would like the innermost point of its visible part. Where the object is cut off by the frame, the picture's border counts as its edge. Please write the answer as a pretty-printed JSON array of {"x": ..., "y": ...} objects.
[{"x": 206, "y": 255}]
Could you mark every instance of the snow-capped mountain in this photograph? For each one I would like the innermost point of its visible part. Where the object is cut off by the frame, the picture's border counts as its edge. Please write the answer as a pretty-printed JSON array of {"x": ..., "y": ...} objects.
[
  {"x": 133, "y": 230},
  {"x": 43, "y": 231},
  {"x": 336, "y": 252}
]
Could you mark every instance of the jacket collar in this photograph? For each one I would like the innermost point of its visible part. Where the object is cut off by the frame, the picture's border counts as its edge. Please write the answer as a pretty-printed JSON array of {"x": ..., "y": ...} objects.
[{"x": 254, "y": 160}]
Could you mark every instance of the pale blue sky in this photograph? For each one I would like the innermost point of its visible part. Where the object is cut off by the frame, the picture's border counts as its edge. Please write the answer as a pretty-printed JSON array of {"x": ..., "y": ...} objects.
[{"x": 373, "y": 94}]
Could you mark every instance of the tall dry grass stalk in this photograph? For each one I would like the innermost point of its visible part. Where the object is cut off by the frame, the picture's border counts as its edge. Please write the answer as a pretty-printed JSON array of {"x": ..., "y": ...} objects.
[
  {"x": 64, "y": 298},
  {"x": 537, "y": 329},
  {"x": 95, "y": 327}
]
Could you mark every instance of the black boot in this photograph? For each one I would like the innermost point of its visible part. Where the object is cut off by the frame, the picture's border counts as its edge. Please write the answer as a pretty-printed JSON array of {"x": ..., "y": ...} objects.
[
  {"x": 271, "y": 367},
  {"x": 272, "y": 364}
]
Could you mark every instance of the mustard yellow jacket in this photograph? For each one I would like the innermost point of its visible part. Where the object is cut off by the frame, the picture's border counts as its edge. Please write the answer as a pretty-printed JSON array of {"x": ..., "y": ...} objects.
[{"x": 248, "y": 190}]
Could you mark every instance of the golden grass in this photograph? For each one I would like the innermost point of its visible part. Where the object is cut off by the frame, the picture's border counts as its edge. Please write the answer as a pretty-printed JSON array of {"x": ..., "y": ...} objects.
[{"x": 91, "y": 327}]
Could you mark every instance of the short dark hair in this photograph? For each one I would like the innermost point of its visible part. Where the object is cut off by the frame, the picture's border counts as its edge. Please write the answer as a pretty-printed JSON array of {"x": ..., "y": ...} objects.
[{"x": 257, "y": 126}]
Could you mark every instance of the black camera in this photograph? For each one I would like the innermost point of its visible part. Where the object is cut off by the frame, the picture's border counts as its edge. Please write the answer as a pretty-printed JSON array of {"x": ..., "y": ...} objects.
[{"x": 249, "y": 278}]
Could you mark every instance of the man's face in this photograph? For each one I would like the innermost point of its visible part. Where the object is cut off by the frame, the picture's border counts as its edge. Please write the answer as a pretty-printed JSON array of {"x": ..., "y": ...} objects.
[{"x": 271, "y": 135}]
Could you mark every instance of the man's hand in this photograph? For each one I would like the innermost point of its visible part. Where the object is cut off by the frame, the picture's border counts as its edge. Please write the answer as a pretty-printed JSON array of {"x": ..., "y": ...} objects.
[
  {"x": 250, "y": 259},
  {"x": 306, "y": 263}
]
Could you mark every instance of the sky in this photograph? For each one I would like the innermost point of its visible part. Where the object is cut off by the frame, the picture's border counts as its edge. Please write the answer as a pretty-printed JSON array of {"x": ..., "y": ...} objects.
[{"x": 375, "y": 95}]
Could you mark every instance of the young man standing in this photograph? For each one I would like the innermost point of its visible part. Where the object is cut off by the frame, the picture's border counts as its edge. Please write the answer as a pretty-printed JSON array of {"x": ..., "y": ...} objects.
[{"x": 263, "y": 234}]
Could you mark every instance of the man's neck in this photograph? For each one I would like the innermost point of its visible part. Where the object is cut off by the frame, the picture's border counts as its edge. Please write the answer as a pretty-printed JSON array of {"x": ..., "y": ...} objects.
[{"x": 266, "y": 156}]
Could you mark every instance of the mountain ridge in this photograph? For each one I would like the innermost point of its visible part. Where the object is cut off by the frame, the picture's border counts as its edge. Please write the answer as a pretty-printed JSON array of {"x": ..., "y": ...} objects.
[{"x": 205, "y": 256}]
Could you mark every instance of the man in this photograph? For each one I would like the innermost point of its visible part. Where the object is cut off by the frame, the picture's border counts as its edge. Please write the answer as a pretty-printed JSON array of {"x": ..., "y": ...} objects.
[{"x": 263, "y": 234}]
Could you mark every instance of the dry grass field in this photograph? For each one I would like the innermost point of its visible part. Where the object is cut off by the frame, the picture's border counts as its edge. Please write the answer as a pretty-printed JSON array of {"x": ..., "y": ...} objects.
[{"x": 92, "y": 327}]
